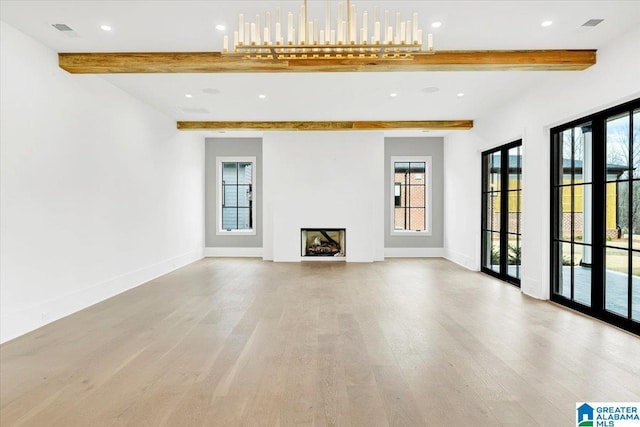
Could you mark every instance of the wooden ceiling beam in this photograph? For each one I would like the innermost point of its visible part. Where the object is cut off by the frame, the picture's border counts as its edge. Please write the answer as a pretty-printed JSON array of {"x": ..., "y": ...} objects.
[
  {"x": 329, "y": 125},
  {"x": 215, "y": 62}
]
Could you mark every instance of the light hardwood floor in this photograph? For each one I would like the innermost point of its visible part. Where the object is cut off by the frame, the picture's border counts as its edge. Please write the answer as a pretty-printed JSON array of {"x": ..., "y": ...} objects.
[{"x": 225, "y": 342}]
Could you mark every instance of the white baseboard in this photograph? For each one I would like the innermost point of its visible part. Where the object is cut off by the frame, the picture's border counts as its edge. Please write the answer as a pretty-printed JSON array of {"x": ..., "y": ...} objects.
[
  {"x": 462, "y": 260},
  {"x": 21, "y": 322},
  {"x": 533, "y": 288},
  {"x": 233, "y": 252},
  {"x": 413, "y": 252}
]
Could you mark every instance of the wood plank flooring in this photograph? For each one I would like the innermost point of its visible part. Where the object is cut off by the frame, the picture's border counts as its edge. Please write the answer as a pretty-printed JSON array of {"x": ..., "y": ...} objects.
[{"x": 231, "y": 342}]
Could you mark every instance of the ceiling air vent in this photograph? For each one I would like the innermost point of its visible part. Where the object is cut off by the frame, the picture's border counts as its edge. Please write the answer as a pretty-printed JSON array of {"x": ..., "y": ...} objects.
[
  {"x": 592, "y": 22},
  {"x": 62, "y": 27}
]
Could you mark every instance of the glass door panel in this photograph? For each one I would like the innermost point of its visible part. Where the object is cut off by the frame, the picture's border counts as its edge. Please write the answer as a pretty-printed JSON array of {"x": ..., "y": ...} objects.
[
  {"x": 573, "y": 197},
  {"x": 616, "y": 281},
  {"x": 581, "y": 274}
]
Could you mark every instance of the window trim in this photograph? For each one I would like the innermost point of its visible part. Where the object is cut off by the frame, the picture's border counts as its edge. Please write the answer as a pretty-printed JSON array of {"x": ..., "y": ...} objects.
[
  {"x": 228, "y": 159},
  {"x": 428, "y": 197}
]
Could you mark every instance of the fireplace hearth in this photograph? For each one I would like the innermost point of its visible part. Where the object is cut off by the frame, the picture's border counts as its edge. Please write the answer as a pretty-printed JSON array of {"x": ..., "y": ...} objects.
[{"x": 323, "y": 242}]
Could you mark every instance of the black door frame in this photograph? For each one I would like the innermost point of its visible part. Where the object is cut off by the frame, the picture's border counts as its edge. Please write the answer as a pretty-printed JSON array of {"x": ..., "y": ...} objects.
[
  {"x": 599, "y": 166},
  {"x": 504, "y": 212}
]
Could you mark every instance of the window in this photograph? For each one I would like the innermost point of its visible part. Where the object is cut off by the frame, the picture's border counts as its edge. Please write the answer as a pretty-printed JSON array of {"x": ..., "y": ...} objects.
[
  {"x": 235, "y": 197},
  {"x": 502, "y": 212},
  {"x": 595, "y": 222},
  {"x": 411, "y": 189}
]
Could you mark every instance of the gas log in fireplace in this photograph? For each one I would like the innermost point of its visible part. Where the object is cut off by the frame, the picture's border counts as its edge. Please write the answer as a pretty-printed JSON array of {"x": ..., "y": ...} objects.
[{"x": 323, "y": 242}]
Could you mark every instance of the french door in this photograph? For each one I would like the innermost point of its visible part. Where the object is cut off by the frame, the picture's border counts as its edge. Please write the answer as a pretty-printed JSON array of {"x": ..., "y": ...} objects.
[
  {"x": 502, "y": 212},
  {"x": 595, "y": 206}
]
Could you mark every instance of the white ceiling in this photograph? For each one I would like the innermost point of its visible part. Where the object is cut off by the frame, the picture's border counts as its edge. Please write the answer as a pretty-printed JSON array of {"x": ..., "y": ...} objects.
[{"x": 190, "y": 26}]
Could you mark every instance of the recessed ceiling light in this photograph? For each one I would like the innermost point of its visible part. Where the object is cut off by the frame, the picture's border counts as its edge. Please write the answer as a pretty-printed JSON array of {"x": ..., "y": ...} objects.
[
  {"x": 105, "y": 27},
  {"x": 220, "y": 27},
  {"x": 188, "y": 95},
  {"x": 211, "y": 91},
  {"x": 546, "y": 23},
  {"x": 437, "y": 24},
  {"x": 460, "y": 94},
  {"x": 262, "y": 96},
  {"x": 430, "y": 89},
  {"x": 393, "y": 95}
]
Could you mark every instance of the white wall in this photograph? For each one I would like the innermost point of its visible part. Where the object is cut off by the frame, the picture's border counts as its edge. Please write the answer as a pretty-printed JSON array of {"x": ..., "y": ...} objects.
[
  {"x": 99, "y": 192},
  {"x": 561, "y": 97},
  {"x": 323, "y": 179}
]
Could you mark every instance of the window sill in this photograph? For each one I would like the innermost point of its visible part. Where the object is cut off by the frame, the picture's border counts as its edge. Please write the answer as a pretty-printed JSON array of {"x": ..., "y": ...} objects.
[
  {"x": 236, "y": 232},
  {"x": 410, "y": 233}
]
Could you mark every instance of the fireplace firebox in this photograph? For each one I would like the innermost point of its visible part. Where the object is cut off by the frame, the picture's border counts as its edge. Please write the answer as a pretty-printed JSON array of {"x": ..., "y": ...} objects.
[{"x": 323, "y": 242}]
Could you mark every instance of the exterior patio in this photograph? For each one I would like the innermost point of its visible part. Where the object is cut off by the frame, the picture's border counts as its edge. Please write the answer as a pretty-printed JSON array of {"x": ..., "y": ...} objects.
[{"x": 616, "y": 299}]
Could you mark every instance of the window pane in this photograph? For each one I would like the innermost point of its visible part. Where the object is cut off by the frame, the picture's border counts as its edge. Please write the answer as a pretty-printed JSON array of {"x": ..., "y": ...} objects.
[
  {"x": 618, "y": 147},
  {"x": 488, "y": 176},
  {"x": 401, "y": 168},
  {"x": 617, "y": 214},
  {"x": 229, "y": 218},
  {"x": 616, "y": 281},
  {"x": 635, "y": 283},
  {"x": 515, "y": 168},
  {"x": 417, "y": 196},
  {"x": 493, "y": 211},
  {"x": 244, "y": 219},
  {"x": 563, "y": 286},
  {"x": 583, "y": 213},
  {"x": 401, "y": 218},
  {"x": 578, "y": 154},
  {"x": 567, "y": 156},
  {"x": 513, "y": 255},
  {"x": 403, "y": 195},
  {"x": 486, "y": 249},
  {"x": 230, "y": 172},
  {"x": 582, "y": 274},
  {"x": 611, "y": 211},
  {"x": 244, "y": 195},
  {"x": 565, "y": 216},
  {"x": 636, "y": 144},
  {"x": 493, "y": 253},
  {"x": 494, "y": 172},
  {"x": 245, "y": 171},
  {"x": 635, "y": 215},
  {"x": 514, "y": 211},
  {"x": 416, "y": 170},
  {"x": 230, "y": 196},
  {"x": 397, "y": 194},
  {"x": 417, "y": 219},
  {"x": 516, "y": 257}
]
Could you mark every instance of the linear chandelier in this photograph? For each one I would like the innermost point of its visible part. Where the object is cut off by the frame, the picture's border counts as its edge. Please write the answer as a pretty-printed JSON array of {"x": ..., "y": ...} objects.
[{"x": 345, "y": 37}]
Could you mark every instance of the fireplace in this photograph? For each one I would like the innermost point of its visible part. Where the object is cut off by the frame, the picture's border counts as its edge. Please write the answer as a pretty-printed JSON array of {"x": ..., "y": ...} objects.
[{"x": 323, "y": 242}]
